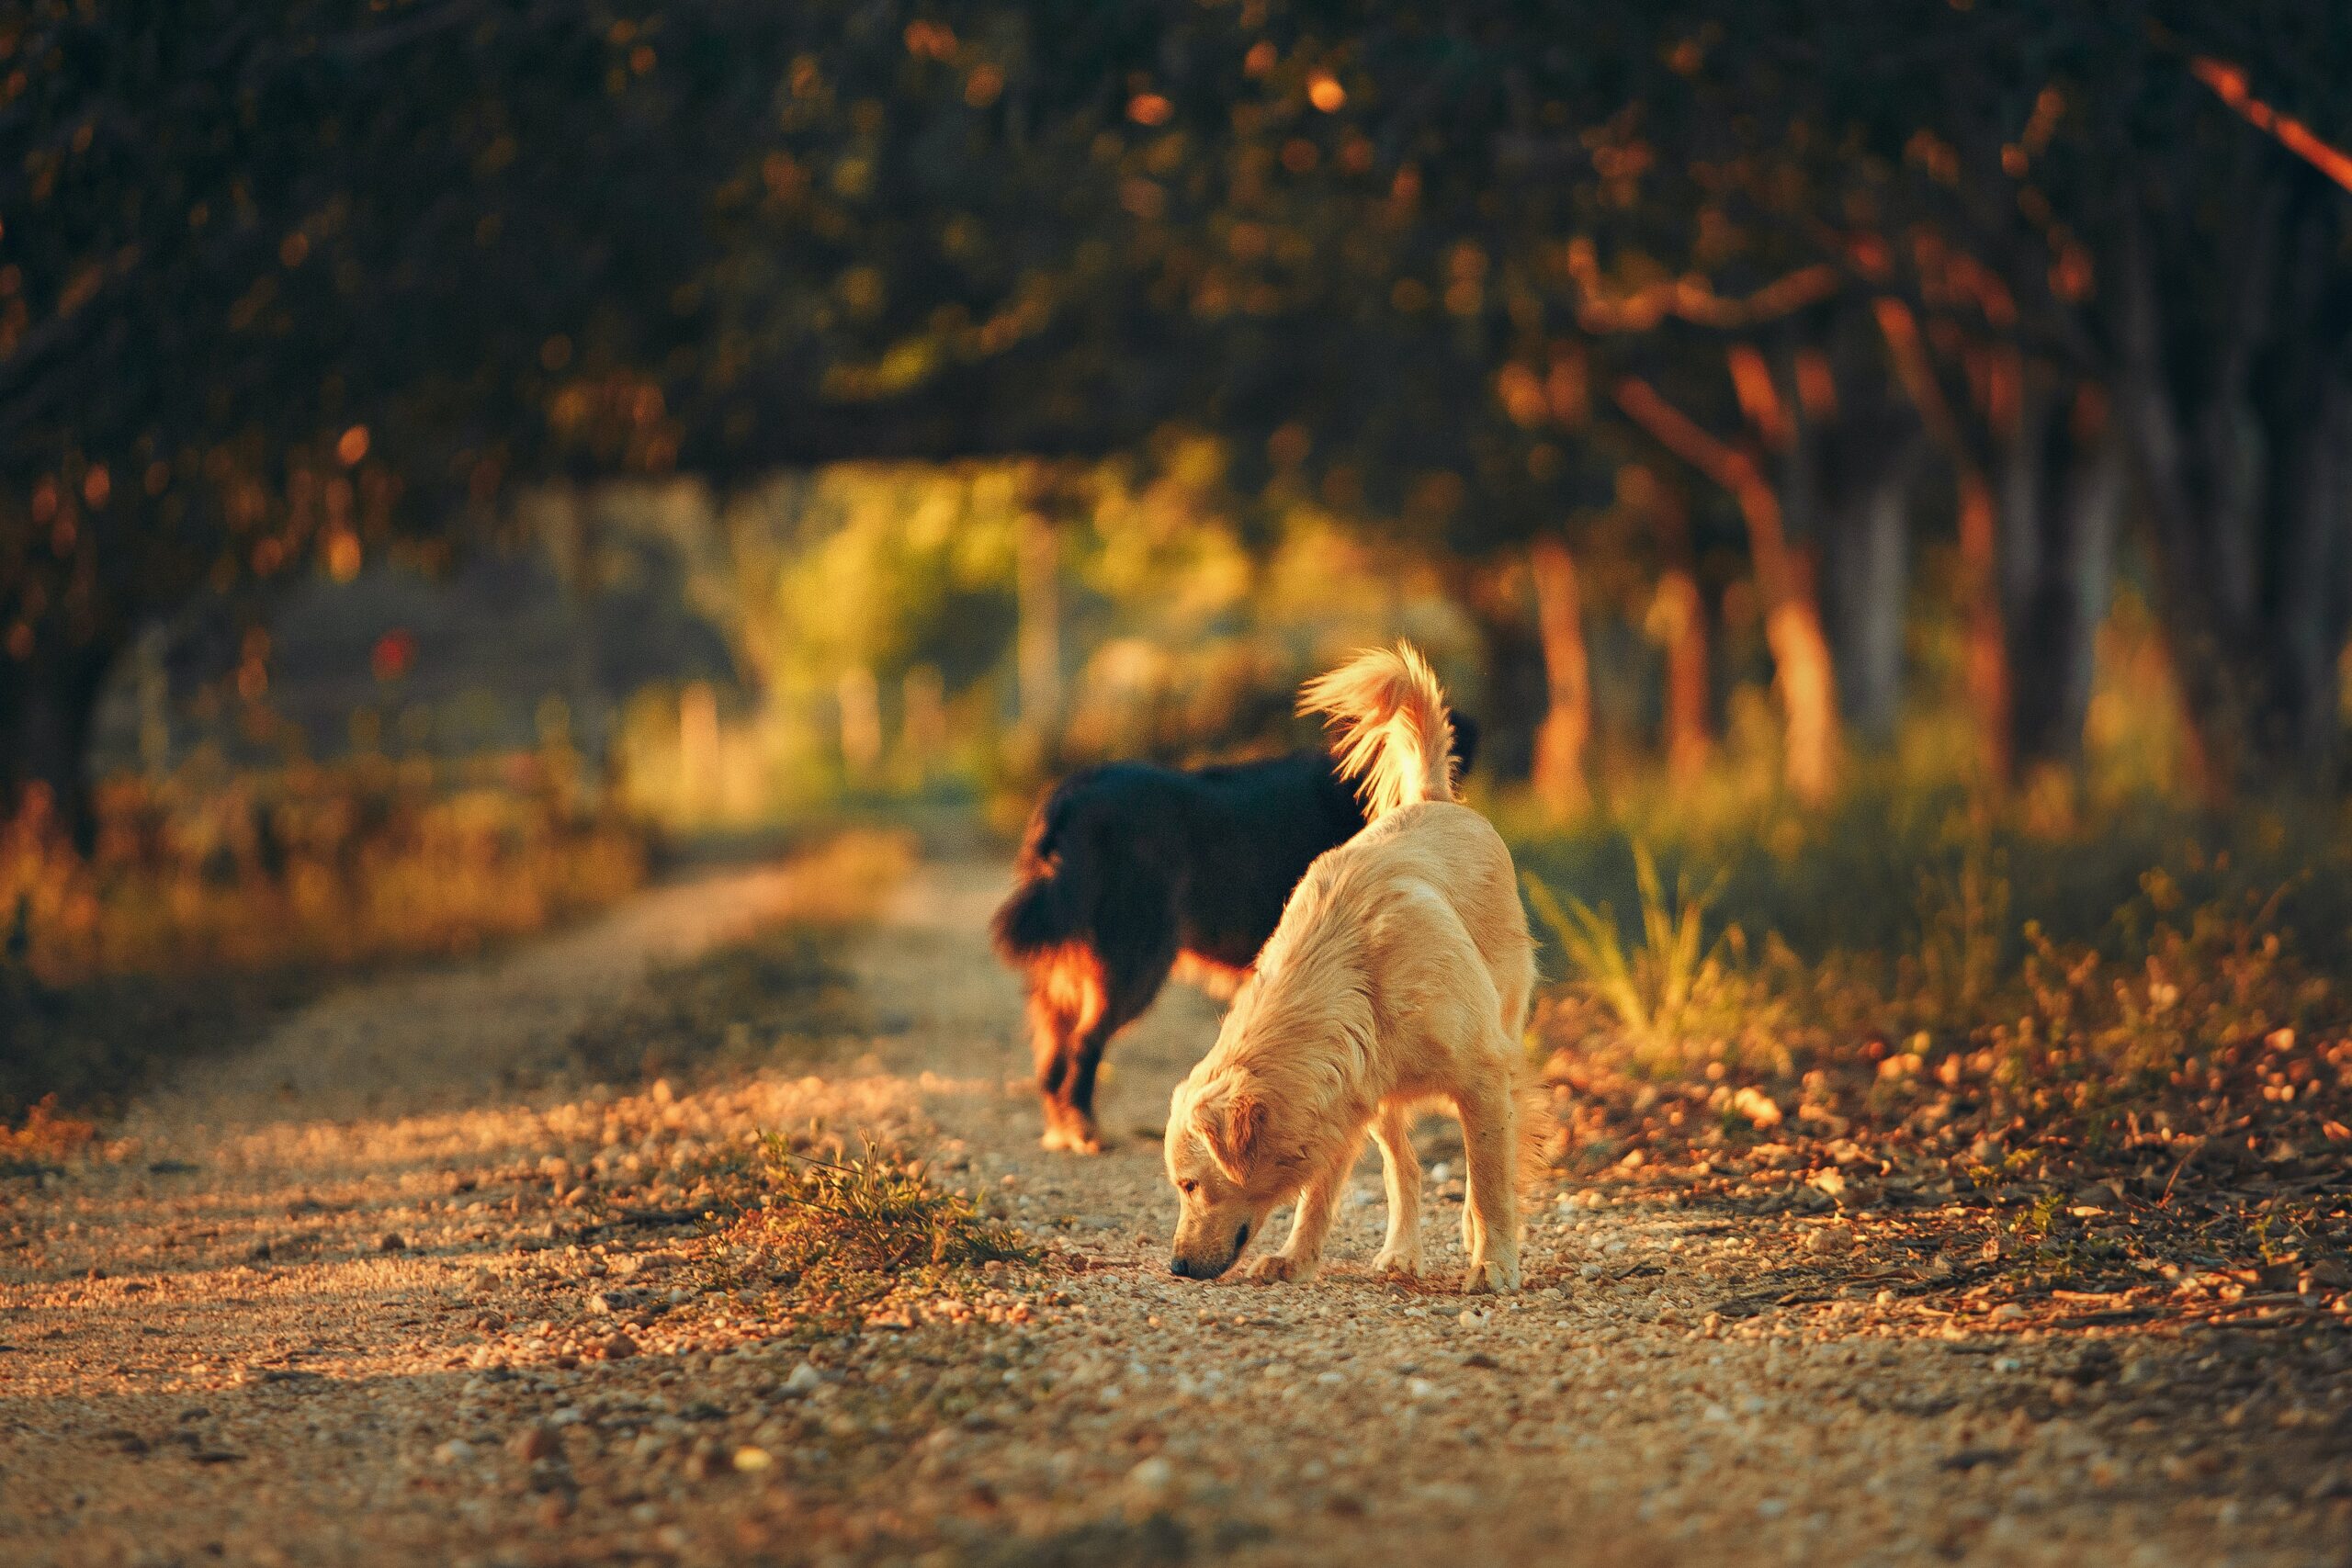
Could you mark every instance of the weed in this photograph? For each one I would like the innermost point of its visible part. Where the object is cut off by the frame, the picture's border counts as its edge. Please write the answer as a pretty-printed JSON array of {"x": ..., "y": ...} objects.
[
  {"x": 849, "y": 1231},
  {"x": 1675, "y": 998}
]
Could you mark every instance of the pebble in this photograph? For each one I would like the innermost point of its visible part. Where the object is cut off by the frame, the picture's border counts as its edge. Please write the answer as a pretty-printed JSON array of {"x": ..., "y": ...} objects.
[
  {"x": 1152, "y": 1481},
  {"x": 393, "y": 1241},
  {"x": 1653, "y": 1373},
  {"x": 534, "y": 1443}
]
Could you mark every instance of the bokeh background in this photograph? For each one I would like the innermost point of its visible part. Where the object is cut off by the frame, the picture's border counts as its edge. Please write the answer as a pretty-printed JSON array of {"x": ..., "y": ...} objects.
[{"x": 1880, "y": 476}]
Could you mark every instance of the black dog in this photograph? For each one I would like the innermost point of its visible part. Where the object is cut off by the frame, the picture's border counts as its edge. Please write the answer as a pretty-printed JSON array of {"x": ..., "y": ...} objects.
[{"x": 1130, "y": 873}]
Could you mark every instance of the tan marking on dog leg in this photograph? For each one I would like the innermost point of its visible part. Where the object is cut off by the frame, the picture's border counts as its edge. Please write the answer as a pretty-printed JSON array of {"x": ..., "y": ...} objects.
[
  {"x": 1219, "y": 980},
  {"x": 1066, "y": 997},
  {"x": 1401, "y": 1172}
]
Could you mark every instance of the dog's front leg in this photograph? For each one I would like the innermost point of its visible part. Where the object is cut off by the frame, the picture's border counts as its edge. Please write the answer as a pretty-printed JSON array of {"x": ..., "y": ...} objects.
[
  {"x": 1490, "y": 1141},
  {"x": 1401, "y": 1169},
  {"x": 1302, "y": 1251}
]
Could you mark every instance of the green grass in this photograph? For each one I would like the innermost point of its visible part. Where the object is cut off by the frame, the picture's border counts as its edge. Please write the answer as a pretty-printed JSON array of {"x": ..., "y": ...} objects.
[
  {"x": 1950, "y": 972},
  {"x": 1674, "y": 995}
]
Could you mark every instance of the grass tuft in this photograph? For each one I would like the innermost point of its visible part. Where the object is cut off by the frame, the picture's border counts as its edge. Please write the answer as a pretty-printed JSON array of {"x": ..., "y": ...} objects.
[
  {"x": 1675, "y": 998},
  {"x": 860, "y": 1226}
]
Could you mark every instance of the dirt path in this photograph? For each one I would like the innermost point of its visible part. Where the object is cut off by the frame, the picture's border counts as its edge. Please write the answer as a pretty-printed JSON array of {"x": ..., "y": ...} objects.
[{"x": 392, "y": 1288}]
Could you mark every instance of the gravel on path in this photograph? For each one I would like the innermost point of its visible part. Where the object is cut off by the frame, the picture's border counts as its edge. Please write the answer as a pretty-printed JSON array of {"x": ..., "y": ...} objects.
[{"x": 367, "y": 1295}]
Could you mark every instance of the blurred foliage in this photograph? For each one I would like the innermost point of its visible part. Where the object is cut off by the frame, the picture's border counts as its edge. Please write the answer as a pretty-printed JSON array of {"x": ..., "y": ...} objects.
[
  {"x": 314, "y": 866},
  {"x": 330, "y": 280},
  {"x": 884, "y": 595}
]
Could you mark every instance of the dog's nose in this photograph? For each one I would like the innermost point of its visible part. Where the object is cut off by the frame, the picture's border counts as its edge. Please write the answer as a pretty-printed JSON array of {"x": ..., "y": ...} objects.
[{"x": 1176, "y": 1266}]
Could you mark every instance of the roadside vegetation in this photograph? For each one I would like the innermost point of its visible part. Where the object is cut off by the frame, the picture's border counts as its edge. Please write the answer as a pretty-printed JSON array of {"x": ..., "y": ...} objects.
[{"x": 2136, "y": 1083}]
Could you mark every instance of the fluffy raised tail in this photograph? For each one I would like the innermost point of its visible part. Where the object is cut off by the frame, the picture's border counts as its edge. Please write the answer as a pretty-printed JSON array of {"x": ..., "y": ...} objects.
[{"x": 1387, "y": 714}]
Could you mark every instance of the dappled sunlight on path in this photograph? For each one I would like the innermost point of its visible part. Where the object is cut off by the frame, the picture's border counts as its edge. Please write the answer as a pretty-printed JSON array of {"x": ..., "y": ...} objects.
[{"x": 401, "y": 1285}]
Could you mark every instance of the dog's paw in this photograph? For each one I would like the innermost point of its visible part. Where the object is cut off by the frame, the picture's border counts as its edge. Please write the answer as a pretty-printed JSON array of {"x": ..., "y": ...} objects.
[
  {"x": 1077, "y": 1140},
  {"x": 1397, "y": 1265},
  {"x": 1280, "y": 1268},
  {"x": 1490, "y": 1278}
]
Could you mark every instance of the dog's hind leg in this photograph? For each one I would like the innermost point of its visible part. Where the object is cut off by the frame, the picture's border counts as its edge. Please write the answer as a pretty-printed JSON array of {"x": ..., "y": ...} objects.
[
  {"x": 1135, "y": 956},
  {"x": 1401, "y": 1169},
  {"x": 1490, "y": 1219},
  {"x": 1065, "y": 1001},
  {"x": 1302, "y": 1251}
]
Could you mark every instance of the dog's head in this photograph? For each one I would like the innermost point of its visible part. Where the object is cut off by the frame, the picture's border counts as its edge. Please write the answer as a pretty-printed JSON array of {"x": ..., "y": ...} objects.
[{"x": 1228, "y": 1169}]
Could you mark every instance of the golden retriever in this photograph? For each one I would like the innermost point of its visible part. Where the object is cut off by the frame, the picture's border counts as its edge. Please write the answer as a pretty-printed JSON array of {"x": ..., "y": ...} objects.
[{"x": 1398, "y": 974}]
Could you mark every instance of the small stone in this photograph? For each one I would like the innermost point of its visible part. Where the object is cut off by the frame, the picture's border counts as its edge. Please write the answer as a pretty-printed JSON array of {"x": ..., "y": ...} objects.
[
  {"x": 456, "y": 1450},
  {"x": 393, "y": 1241},
  {"x": 1824, "y": 1240},
  {"x": 620, "y": 1347},
  {"x": 534, "y": 1443},
  {"x": 752, "y": 1460},
  {"x": 804, "y": 1379},
  {"x": 1152, "y": 1481}
]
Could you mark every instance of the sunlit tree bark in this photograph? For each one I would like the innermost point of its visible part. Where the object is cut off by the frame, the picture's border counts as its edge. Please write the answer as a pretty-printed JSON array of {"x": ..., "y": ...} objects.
[
  {"x": 1038, "y": 640},
  {"x": 1560, "y": 782},
  {"x": 1804, "y": 677}
]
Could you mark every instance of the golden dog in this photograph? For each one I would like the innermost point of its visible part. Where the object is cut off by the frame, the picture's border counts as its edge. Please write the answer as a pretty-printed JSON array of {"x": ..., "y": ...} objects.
[{"x": 1398, "y": 974}]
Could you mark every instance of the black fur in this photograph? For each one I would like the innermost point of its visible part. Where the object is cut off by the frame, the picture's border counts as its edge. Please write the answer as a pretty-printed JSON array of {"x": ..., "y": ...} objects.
[{"x": 1127, "y": 865}]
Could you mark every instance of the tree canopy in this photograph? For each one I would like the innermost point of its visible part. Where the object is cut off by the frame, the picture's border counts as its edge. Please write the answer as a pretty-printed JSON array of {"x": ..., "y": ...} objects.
[{"x": 289, "y": 286}]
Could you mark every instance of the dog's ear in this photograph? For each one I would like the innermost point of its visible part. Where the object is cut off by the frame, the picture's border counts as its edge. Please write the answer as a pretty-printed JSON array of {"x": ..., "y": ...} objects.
[
  {"x": 1234, "y": 1133},
  {"x": 1466, "y": 742}
]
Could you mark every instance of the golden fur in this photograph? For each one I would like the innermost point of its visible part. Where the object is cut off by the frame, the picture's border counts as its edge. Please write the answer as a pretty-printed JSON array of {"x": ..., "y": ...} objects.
[{"x": 1399, "y": 973}]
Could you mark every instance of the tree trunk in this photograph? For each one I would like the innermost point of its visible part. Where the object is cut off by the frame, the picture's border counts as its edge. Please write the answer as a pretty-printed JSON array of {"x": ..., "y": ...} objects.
[
  {"x": 1807, "y": 682},
  {"x": 1867, "y": 594},
  {"x": 2243, "y": 466},
  {"x": 1559, "y": 777},
  {"x": 1986, "y": 645},
  {"x": 48, "y": 706},
  {"x": 1681, "y": 620},
  {"x": 1512, "y": 661},
  {"x": 2061, "y": 497},
  {"x": 1678, "y": 620},
  {"x": 1986, "y": 676},
  {"x": 2307, "y": 512},
  {"x": 1804, "y": 674},
  {"x": 1039, "y": 636}
]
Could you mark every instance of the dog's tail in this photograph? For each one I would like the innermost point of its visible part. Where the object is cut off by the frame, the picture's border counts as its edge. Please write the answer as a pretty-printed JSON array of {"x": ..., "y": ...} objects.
[
  {"x": 1387, "y": 714},
  {"x": 1046, "y": 908}
]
